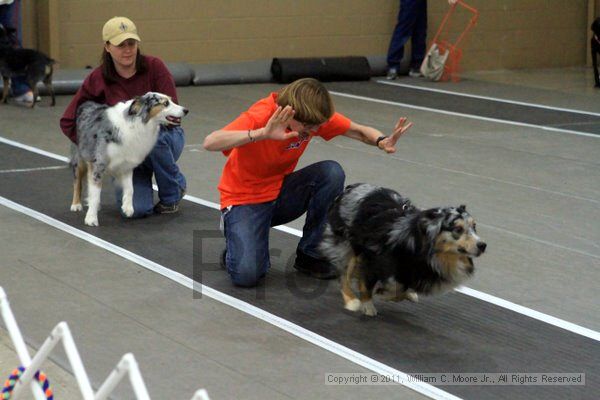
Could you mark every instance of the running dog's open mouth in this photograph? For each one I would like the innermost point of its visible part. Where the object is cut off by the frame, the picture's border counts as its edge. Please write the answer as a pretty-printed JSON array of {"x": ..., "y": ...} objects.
[{"x": 174, "y": 120}]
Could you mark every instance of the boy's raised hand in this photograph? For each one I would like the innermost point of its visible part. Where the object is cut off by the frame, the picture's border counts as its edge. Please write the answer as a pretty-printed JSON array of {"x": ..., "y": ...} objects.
[
  {"x": 278, "y": 123},
  {"x": 389, "y": 144}
]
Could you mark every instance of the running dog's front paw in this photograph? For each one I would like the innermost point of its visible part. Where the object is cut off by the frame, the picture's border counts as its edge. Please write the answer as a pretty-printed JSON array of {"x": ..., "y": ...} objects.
[
  {"x": 91, "y": 220},
  {"x": 411, "y": 295},
  {"x": 76, "y": 207},
  {"x": 127, "y": 210},
  {"x": 369, "y": 308},
  {"x": 353, "y": 305}
]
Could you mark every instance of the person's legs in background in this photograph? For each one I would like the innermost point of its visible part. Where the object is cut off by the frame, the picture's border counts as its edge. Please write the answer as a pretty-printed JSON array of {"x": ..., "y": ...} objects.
[
  {"x": 169, "y": 179},
  {"x": 407, "y": 16},
  {"x": 418, "y": 38}
]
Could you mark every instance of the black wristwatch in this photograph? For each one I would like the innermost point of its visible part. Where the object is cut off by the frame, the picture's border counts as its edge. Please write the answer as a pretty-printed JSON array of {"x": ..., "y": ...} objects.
[{"x": 379, "y": 139}]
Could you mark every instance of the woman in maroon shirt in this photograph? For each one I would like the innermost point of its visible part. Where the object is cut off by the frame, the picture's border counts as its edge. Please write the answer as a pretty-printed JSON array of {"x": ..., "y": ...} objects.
[{"x": 124, "y": 74}]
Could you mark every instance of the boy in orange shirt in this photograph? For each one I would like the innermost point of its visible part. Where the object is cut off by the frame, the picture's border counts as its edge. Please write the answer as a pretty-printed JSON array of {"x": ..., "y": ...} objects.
[{"x": 259, "y": 187}]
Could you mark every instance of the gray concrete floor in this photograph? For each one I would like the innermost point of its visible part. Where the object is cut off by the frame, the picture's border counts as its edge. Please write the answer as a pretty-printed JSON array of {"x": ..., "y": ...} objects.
[{"x": 534, "y": 194}]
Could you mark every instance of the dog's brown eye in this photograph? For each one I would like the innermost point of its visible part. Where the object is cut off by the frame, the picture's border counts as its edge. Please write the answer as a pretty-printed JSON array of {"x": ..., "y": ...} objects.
[
  {"x": 458, "y": 230},
  {"x": 166, "y": 103}
]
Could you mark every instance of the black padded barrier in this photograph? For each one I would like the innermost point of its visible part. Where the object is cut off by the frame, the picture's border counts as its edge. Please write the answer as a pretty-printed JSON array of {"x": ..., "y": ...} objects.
[
  {"x": 325, "y": 69},
  {"x": 257, "y": 71}
]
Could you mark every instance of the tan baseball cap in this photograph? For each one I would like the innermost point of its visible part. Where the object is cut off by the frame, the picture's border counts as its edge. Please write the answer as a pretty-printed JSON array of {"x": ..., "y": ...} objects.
[{"x": 118, "y": 29}]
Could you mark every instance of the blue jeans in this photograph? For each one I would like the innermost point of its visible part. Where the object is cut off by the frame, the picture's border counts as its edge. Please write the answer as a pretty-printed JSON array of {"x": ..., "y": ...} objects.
[
  {"x": 18, "y": 84},
  {"x": 311, "y": 189},
  {"x": 412, "y": 23},
  {"x": 162, "y": 163}
]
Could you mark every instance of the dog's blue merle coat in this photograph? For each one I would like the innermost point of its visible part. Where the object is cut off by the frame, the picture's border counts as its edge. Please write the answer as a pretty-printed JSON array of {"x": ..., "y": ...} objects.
[
  {"x": 392, "y": 238},
  {"x": 94, "y": 132}
]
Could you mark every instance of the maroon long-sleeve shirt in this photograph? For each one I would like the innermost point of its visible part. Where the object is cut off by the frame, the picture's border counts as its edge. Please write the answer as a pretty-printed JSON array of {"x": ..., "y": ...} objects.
[{"x": 156, "y": 78}]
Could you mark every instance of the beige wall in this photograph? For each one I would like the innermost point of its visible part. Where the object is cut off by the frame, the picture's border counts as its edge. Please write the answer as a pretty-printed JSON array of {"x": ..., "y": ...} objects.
[{"x": 509, "y": 33}]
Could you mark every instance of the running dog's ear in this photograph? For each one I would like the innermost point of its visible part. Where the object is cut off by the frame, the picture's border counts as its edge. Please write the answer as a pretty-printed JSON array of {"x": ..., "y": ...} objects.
[
  {"x": 135, "y": 107},
  {"x": 433, "y": 213},
  {"x": 431, "y": 221},
  {"x": 462, "y": 208}
]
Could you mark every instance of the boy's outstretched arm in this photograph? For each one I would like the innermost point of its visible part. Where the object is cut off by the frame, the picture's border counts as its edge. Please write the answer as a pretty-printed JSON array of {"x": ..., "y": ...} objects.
[{"x": 375, "y": 137}]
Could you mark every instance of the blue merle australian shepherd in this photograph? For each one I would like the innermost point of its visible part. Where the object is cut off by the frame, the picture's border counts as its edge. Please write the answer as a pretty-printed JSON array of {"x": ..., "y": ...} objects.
[
  {"x": 395, "y": 250},
  {"x": 115, "y": 140}
]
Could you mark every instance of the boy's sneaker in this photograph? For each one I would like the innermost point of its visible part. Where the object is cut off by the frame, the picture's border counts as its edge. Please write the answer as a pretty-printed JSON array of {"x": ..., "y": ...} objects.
[
  {"x": 161, "y": 208},
  {"x": 315, "y": 267},
  {"x": 392, "y": 74},
  {"x": 415, "y": 73}
]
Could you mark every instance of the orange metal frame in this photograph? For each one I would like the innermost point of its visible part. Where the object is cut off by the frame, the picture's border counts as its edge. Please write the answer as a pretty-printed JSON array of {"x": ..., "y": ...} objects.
[{"x": 452, "y": 64}]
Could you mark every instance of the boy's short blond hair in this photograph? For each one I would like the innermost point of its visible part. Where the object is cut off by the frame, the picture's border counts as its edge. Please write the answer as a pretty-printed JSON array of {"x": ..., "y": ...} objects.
[{"x": 310, "y": 100}]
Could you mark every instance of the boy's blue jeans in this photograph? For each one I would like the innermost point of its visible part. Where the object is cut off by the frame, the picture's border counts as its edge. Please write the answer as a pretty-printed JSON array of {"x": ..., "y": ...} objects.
[
  {"x": 162, "y": 163},
  {"x": 311, "y": 189}
]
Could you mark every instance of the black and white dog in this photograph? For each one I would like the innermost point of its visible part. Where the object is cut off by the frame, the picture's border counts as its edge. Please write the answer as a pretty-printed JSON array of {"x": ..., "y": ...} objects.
[
  {"x": 595, "y": 47},
  {"x": 391, "y": 248},
  {"x": 115, "y": 140},
  {"x": 32, "y": 64}
]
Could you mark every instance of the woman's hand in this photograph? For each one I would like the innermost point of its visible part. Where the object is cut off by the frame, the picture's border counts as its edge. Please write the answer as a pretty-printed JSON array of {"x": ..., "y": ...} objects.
[
  {"x": 278, "y": 123},
  {"x": 389, "y": 144}
]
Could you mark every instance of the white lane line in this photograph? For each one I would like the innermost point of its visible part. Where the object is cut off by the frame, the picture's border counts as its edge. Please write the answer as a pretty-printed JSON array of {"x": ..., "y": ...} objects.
[
  {"x": 569, "y": 326},
  {"x": 10, "y": 171},
  {"x": 33, "y": 149},
  {"x": 294, "y": 329},
  {"x": 457, "y": 114},
  {"x": 497, "y": 99},
  {"x": 561, "y": 323}
]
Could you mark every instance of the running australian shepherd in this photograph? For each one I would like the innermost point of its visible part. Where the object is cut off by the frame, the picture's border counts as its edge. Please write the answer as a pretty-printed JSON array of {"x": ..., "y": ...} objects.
[
  {"x": 395, "y": 250},
  {"x": 115, "y": 140}
]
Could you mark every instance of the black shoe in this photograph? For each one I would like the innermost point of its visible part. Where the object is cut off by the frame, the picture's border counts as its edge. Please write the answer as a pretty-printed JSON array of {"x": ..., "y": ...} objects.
[
  {"x": 315, "y": 267},
  {"x": 161, "y": 208},
  {"x": 392, "y": 74}
]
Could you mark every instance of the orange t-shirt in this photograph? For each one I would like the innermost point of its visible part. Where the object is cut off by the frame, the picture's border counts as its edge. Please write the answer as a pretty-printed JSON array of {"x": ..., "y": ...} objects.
[{"x": 254, "y": 172}]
